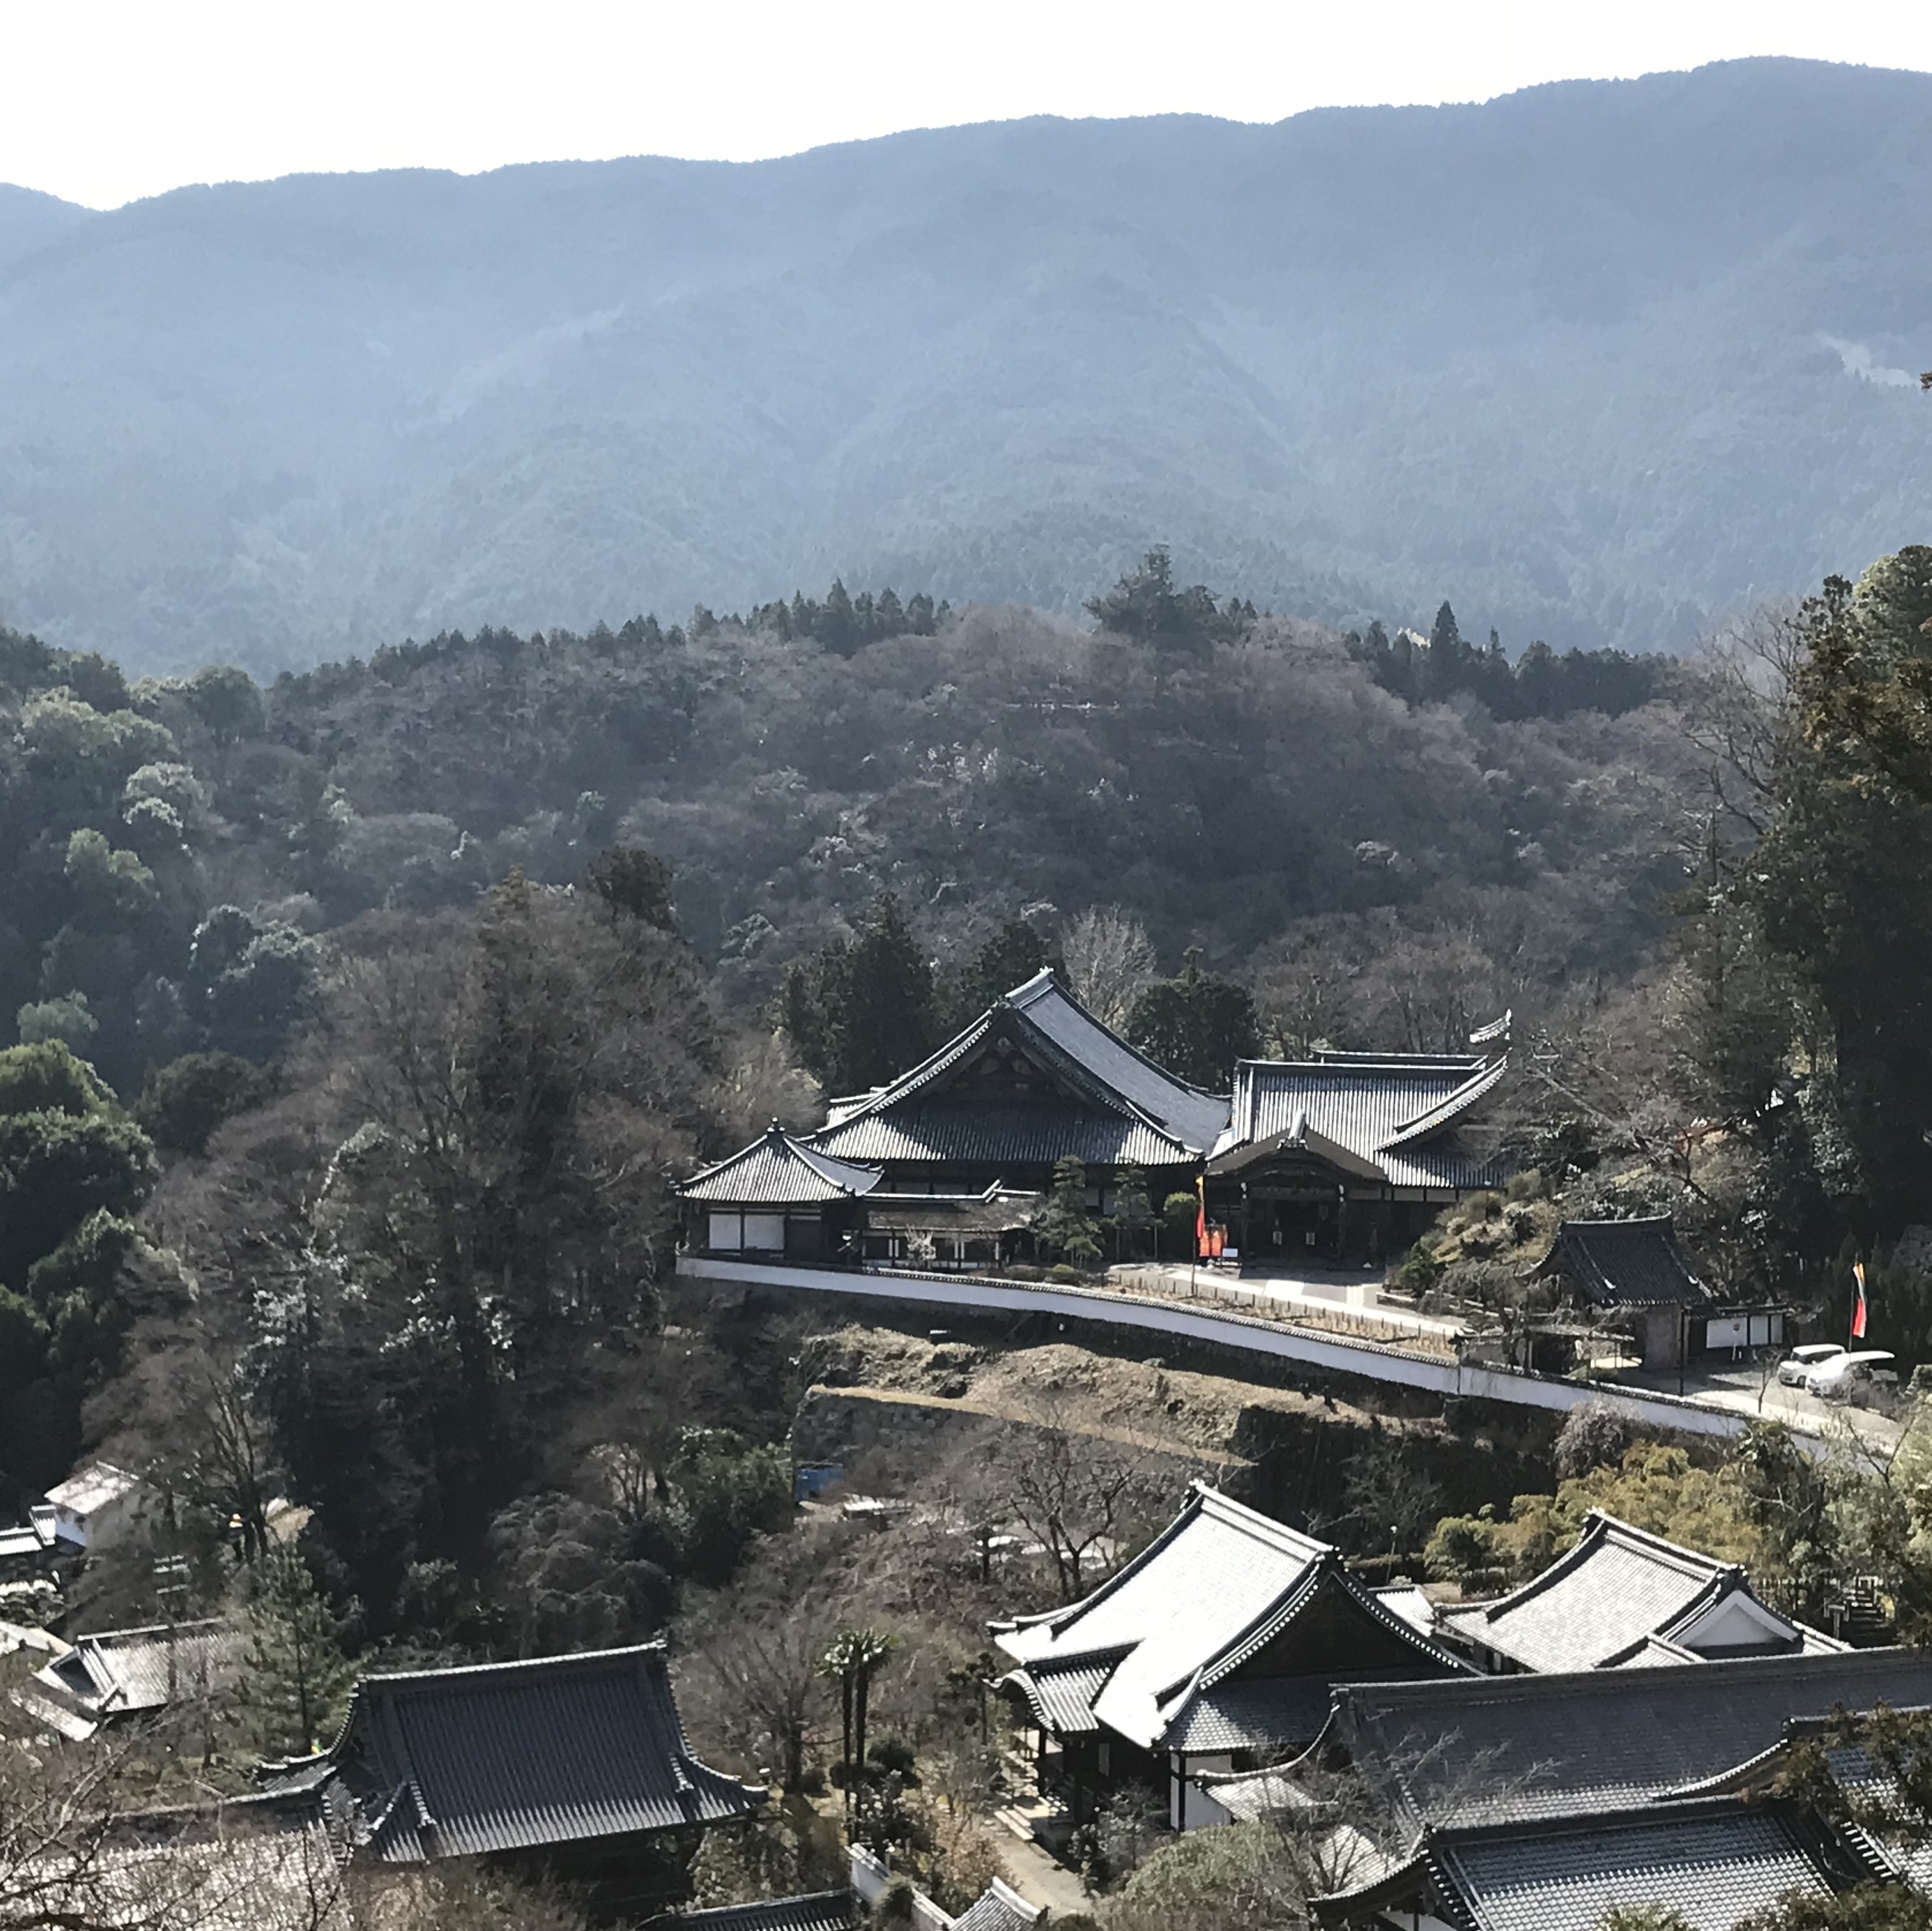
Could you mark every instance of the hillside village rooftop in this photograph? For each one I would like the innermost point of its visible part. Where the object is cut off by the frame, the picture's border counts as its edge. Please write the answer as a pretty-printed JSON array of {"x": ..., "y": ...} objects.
[
  {"x": 577, "y": 1762},
  {"x": 1224, "y": 1637},
  {"x": 1622, "y": 1595}
]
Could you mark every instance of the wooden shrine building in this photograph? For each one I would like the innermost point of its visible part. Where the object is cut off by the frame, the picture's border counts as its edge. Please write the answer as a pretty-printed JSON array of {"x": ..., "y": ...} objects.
[
  {"x": 1217, "y": 1647},
  {"x": 1343, "y": 1160},
  {"x": 1339, "y": 1160},
  {"x": 950, "y": 1164},
  {"x": 1637, "y": 1272},
  {"x": 572, "y": 1767},
  {"x": 1622, "y": 1597}
]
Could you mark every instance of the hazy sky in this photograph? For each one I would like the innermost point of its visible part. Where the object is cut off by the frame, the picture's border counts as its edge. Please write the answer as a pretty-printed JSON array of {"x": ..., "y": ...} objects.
[{"x": 104, "y": 100}]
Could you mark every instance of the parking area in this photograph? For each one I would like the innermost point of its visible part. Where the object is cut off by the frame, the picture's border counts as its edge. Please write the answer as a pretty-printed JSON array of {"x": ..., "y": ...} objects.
[{"x": 1752, "y": 1387}]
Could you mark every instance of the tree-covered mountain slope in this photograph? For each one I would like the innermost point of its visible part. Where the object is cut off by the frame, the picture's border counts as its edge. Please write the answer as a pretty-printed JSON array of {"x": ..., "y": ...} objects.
[{"x": 1593, "y": 360}]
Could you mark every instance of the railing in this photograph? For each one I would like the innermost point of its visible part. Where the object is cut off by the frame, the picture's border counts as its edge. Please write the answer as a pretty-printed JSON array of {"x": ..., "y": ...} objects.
[
  {"x": 1340, "y": 1354},
  {"x": 1366, "y": 1324}
]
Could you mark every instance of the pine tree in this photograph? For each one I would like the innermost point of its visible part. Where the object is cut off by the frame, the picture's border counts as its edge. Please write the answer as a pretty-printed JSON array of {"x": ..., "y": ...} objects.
[
  {"x": 294, "y": 1675},
  {"x": 837, "y": 628},
  {"x": 1068, "y": 1223},
  {"x": 1195, "y": 1025},
  {"x": 1008, "y": 959},
  {"x": 880, "y": 1010}
]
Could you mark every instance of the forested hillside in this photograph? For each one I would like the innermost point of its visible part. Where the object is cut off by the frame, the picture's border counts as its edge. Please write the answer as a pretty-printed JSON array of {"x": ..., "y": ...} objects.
[
  {"x": 1593, "y": 360},
  {"x": 1256, "y": 791}
]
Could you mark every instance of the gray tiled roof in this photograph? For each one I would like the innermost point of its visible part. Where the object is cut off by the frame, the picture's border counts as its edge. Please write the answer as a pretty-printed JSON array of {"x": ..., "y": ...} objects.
[
  {"x": 1254, "y": 1796},
  {"x": 1220, "y": 1582},
  {"x": 1472, "y": 1748},
  {"x": 126, "y": 1672},
  {"x": 92, "y": 1488},
  {"x": 1242, "y": 1716},
  {"x": 777, "y": 1170},
  {"x": 1117, "y": 1105},
  {"x": 1606, "y": 1600},
  {"x": 966, "y": 1132},
  {"x": 1625, "y": 1263},
  {"x": 999, "y": 1211},
  {"x": 233, "y": 1880},
  {"x": 1062, "y": 1696},
  {"x": 1715, "y": 1865},
  {"x": 999, "y": 1908},
  {"x": 509, "y": 1756},
  {"x": 816, "y": 1911},
  {"x": 1397, "y": 1114},
  {"x": 1193, "y": 1117}
]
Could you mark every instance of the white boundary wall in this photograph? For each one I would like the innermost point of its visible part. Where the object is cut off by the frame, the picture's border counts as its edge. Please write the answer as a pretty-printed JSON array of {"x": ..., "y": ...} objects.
[
  {"x": 871, "y": 1874},
  {"x": 1377, "y": 1361}
]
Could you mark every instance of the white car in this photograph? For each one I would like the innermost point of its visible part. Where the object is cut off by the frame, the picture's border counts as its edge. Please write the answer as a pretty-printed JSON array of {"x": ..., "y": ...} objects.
[
  {"x": 1833, "y": 1381},
  {"x": 1800, "y": 1362}
]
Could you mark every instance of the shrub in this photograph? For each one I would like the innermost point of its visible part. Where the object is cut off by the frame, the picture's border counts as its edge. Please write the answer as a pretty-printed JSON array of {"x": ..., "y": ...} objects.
[
  {"x": 1419, "y": 1272},
  {"x": 1463, "y": 1548}
]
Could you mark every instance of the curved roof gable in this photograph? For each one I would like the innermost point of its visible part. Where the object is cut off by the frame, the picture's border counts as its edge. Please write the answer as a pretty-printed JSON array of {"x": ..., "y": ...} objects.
[
  {"x": 508, "y": 1756},
  {"x": 1220, "y": 1582},
  {"x": 1626, "y": 1263},
  {"x": 1616, "y": 1597},
  {"x": 1465, "y": 1749},
  {"x": 779, "y": 1170},
  {"x": 1163, "y": 1120},
  {"x": 1393, "y": 1115}
]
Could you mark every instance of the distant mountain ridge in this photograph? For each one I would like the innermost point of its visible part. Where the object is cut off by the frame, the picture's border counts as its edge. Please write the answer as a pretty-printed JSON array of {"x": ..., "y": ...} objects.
[{"x": 1594, "y": 361}]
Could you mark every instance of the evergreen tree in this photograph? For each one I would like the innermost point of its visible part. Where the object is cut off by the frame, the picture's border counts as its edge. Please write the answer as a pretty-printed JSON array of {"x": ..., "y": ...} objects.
[
  {"x": 635, "y": 882},
  {"x": 1008, "y": 959},
  {"x": 1133, "y": 1207},
  {"x": 837, "y": 627},
  {"x": 295, "y": 1677},
  {"x": 801, "y": 1015},
  {"x": 877, "y": 998},
  {"x": 1068, "y": 1223},
  {"x": 1538, "y": 674},
  {"x": 1195, "y": 1025},
  {"x": 1837, "y": 882},
  {"x": 1451, "y": 663},
  {"x": 1146, "y": 606}
]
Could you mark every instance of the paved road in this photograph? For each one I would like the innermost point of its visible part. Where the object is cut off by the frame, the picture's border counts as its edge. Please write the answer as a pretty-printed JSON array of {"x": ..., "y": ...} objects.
[
  {"x": 1744, "y": 1388},
  {"x": 1038, "y": 1879}
]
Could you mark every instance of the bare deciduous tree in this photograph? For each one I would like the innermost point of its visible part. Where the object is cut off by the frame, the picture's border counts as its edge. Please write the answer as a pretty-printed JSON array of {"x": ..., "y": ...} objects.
[
  {"x": 112, "y": 1835},
  {"x": 1086, "y": 1498},
  {"x": 1110, "y": 962},
  {"x": 751, "y": 1679}
]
